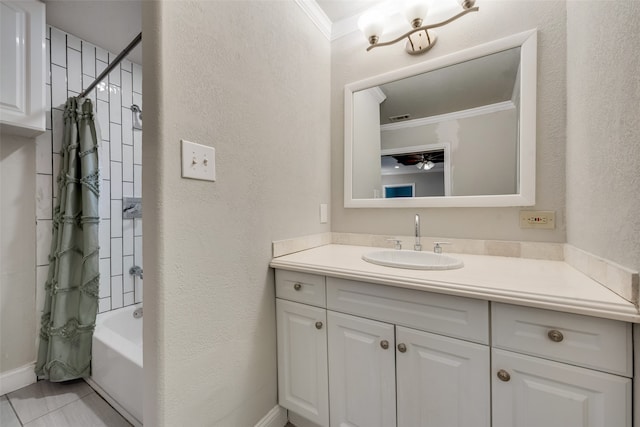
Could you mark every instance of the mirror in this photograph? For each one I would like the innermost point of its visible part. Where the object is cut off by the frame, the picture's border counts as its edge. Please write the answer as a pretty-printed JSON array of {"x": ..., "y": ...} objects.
[{"x": 454, "y": 131}]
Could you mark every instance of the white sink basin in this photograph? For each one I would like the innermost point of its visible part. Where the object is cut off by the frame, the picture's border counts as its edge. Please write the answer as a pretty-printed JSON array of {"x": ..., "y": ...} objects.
[{"x": 413, "y": 260}]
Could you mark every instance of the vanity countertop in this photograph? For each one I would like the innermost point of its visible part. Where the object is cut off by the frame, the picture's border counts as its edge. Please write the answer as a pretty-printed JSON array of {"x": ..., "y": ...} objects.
[{"x": 553, "y": 285}]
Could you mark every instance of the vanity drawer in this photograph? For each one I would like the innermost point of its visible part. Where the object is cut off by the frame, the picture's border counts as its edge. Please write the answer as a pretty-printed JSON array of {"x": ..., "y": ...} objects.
[
  {"x": 587, "y": 341},
  {"x": 301, "y": 287},
  {"x": 441, "y": 314}
]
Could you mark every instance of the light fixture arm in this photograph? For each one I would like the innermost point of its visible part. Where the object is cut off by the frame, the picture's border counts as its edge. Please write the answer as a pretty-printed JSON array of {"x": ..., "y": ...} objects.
[{"x": 424, "y": 28}]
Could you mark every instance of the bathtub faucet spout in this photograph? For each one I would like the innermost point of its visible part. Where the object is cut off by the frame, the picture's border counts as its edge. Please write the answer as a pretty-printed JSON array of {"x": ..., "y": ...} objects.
[{"x": 136, "y": 271}]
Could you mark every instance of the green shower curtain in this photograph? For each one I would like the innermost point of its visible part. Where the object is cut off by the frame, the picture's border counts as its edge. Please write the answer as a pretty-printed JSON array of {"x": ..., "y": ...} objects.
[{"x": 71, "y": 300}]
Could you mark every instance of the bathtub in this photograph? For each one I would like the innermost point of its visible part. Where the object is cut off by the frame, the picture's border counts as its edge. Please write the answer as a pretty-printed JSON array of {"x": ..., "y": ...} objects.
[{"x": 116, "y": 368}]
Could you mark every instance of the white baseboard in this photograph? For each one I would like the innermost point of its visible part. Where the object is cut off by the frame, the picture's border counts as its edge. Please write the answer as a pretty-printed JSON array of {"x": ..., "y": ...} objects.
[
  {"x": 276, "y": 417},
  {"x": 17, "y": 378}
]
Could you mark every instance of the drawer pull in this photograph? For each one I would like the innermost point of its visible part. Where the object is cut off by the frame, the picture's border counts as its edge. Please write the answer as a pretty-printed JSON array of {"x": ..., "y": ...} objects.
[
  {"x": 503, "y": 375},
  {"x": 402, "y": 348},
  {"x": 555, "y": 335},
  {"x": 297, "y": 286},
  {"x": 318, "y": 325},
  {"x": 384, "y": 344}
]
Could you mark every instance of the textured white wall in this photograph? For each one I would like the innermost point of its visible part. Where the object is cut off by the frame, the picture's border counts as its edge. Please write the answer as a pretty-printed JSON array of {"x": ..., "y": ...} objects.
[
  {"x": 603, "y": 129},
  {"x": 496, "y": 19},
  {"x": 250, "y": 78},
  {"x": 17, "y": 252}
]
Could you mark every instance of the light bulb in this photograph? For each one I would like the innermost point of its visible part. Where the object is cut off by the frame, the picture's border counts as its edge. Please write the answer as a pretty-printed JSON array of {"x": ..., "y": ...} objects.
[
  {"x": 419, "y": 165},
  {"x": 429, "y": 165},
  {"x": 466, "y": 4},
  {"x": 415, "y": 11},
  {"x": 372, "y": 25}
]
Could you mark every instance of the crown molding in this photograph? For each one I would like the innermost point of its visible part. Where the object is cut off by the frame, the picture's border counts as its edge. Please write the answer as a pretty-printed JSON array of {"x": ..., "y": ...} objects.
[
  {"x": 471, "y": 112},
  {"x": 317, "y": 16}
]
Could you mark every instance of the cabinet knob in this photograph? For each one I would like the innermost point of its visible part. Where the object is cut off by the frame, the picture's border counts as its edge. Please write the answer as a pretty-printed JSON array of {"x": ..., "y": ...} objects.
[
  {"x": 318, "y": 325},
  {"x": 503, "y": 375},
  {"x": 402, "y": 348},
  {"x": 297, "y": 286},
  {"x": 384, "y": 344},
  {"x": 555, "y": 335}
]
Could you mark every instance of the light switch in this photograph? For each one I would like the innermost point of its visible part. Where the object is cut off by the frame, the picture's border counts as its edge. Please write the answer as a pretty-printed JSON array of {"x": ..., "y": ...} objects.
[
  {"x": 198, "y": 161},
  {"x": 323, "y": 213}
]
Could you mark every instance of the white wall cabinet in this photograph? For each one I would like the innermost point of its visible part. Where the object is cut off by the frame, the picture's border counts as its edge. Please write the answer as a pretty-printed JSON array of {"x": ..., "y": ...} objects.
[
  {"x": 22, "y": 69},
  {"x": 406, "y": 358}
]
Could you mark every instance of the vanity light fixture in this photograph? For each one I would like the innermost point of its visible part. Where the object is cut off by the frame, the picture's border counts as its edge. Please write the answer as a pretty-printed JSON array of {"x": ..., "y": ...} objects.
[{"x": 419, "y": 39}]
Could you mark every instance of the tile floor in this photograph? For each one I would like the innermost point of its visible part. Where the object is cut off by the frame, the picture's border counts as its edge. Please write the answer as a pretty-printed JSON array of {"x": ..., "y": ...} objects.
[{"x": 45, "y": 404}]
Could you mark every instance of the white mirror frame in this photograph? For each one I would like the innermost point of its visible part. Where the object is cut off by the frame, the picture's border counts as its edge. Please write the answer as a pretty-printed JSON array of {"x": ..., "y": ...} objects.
[{"x": 527, "y": 41}]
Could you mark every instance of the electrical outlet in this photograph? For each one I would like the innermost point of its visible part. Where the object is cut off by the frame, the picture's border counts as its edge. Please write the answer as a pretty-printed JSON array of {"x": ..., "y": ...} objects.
[
  {"x": 198, "y": 161},
  {"x": 324, "y": 215},
  {"x": 538, "y": 219}
]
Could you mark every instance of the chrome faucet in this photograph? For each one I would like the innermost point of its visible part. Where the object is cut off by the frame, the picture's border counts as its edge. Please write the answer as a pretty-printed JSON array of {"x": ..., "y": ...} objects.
[
  {"x": 417, "y": 246},
  {"x": 136, "y": 271}
]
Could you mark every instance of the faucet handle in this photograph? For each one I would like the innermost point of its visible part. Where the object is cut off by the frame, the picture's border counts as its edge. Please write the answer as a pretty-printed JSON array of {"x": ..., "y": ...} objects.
[
  {"x": 437, "y": 248},
  {"x": 398, "y": 243}
]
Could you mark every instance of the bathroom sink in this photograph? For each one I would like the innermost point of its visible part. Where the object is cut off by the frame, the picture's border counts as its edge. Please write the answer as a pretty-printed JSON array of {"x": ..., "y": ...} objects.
[{"x": 413, "y": 260}]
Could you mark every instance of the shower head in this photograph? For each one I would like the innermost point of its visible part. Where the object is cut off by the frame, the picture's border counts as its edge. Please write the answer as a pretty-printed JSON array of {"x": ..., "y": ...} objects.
[{"x": 137, "y": 117}]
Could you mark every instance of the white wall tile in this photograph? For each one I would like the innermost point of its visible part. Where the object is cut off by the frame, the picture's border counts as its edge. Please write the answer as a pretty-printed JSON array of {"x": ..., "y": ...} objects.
[
  {"x": 86, "y": 82},
  {"x": 58, "y": 130},
  {"x": 105, "y": 200},
  {"x": 44, "y": 153},
  {"x": 103, "y": 119},
  {"x": 138, "y": 285},
  {"x": 88, "y": 59},
  {"x": 137, "y": 244},
  {"x": 137, "y": 99},
  {"x": 44, "y": 197},
  {"x": 58, "y": 47},
  {"x": 74, "y": 70},
  {"x": 58, "y": 86},
  {"x": 105, "y": 277},
  {"x": 115, "y": 104},
  {"x": 44, "y": 229},
  {"x": 104, "y": 304},
  {"x": 57, "y": 162},
  {"x": 104, "y": 238},
  {"x": 127, "y": 279},
  {"x": 116, "y": 291},
  {"x": 116, "y": 180},
  {"x": 137, "y": 181},
  {"x": 114, "y": 75},
  {"x": 127, "y": 125},
  {"x": 126, "y": 65},
  {"x": 127, "y": 163},
  {"x": 102, "y": 55},
  {"x": 127, "y": 237},
  {"x": 103, "y": 86},
  {"x": 47, "y": 116},
  {"x": 137, "y": 147},
  {"x": 116, "y": 218},
  {"x": 137, "y": 79},
  {"x": 116, "y": 256},
  {"x": 47, "y": 94},
  {"x": 73, "y": 42},
  {"x": 128, "y": 299},
  {"x": 127, "y": 189},
  {"x": 105, "y": 163},
  {"x": 116, "y": 142},
  {"x": 127, "y": 89},
  {"x": 137, "y": 227}
]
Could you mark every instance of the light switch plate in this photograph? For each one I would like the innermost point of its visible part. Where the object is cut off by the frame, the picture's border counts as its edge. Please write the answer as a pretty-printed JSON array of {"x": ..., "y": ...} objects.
[
  {"x": 198, "y": 161},
  {"x": 538, "y": 219},
  {"x": 324, "y": 215}
]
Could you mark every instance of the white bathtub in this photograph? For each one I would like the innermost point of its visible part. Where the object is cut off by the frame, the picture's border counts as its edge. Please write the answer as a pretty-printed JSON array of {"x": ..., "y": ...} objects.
[{"x": 116, "y": 372}]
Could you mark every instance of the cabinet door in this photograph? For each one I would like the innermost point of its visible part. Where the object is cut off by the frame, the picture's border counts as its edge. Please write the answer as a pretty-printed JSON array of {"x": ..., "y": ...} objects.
[
  {"x": 22, "y": 69},
  {"x": 533, "y": 392},
  {"x": 442, "y": 381},
  {"x": 302, "y": 360},
  {"x": 361, "y": 372}
]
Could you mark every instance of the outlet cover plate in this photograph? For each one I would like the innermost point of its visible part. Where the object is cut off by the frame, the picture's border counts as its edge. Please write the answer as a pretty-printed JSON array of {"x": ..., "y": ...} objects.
[
  {"x": 538, "y": 219},
  {"x": 198, "y": 161}
]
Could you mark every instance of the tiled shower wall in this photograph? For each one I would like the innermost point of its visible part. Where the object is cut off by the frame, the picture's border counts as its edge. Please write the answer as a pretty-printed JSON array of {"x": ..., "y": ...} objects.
[{"x": 73, "y": 65}]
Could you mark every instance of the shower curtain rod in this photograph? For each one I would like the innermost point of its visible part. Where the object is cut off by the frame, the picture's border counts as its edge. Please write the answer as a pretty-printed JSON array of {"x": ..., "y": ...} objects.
[{"x": 112, "y": 65}]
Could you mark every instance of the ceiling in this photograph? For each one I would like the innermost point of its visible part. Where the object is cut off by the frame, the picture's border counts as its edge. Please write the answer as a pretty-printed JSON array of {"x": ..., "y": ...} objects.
[{"x": 112, "y": 24}]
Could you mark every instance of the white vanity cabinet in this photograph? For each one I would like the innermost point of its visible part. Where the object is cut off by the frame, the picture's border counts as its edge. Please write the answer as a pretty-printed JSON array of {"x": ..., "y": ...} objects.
[
  {"x": 22, "y": 69},
  {"x": 387, "y": 356},
  {"x": 558, "y": 369}
]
